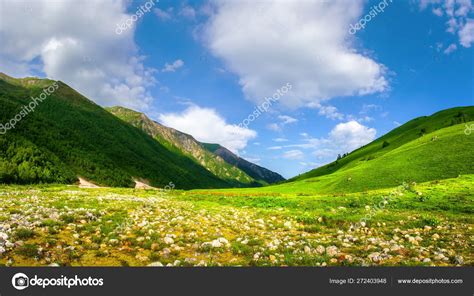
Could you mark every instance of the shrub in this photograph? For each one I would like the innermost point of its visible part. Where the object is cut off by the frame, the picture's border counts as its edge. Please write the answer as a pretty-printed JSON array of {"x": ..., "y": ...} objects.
[
  {"x": 68, "y": 218},
  {"x": 28, "y": 250},
  {"x": 23, "y": 233}
]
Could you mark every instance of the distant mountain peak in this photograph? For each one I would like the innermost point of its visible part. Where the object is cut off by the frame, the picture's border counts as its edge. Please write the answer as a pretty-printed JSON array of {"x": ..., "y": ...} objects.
[
  {"x": 255, "y": 171},
  {"x": 188, "y": 145}
]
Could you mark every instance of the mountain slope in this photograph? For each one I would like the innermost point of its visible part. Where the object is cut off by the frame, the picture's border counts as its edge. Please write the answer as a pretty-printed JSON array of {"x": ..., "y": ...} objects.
[
  {"x": 67, "y": 136},
  {"x": 446, "y": 153},
  {"x": 184, "y": 143},
  {"x": 404, "y": 134},
  {"x": 253, "y": 170},
  {"x": 443, "y": 154}
]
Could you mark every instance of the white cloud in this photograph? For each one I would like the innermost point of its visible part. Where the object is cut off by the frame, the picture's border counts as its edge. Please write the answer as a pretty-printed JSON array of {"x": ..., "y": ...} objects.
[
  {"x": 311, "y": 164},
  {"x": 451, "y": 48},
  {"x": 164, "y": 15},
  {"x": 365, "y": 119},
  {"x": 279, "y": 140},
  {"x": 459, "y": 14},
  {"x": 367, "y": 108},
  {"x": 287, "y": 119},
  {"x": 330, "y": 112},
  {"x": 274, "y": 127},
  {"x": 351, "y": 135},
  {"x": 173, "y": 67},
  {"x": 438, "y": 11},
  {"x": 284, "y": 120},
  {"x": 343, "y": 138},
  {"x": 206, "y": 125},
  {"x": 77, "y": 44},
  {"x": 305, "y": 43},
  {"x": 293, "y": 154},
  {"x": 185, "y": 11},
  {"x": 304, "y": 135},
  {"x": 188, "y": 12},
  {"x": 255, "y": 160},
  {"x": 466, "y": 34}
]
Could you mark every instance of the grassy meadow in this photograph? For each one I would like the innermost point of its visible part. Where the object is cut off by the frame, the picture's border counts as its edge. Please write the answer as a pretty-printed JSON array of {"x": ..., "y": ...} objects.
[{"x": 428, "y": 224}]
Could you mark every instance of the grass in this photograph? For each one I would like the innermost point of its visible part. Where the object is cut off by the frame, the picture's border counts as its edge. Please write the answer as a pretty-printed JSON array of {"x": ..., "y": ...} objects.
[
  {"x": 410, "y": 131},
  {"x": 48, "y": 147},
  {"x": 23, "y": 233},
  {"x": 127, "y": 227},
  {"x": 181, "y": 143},
  {"x": 442, "y": 154}
]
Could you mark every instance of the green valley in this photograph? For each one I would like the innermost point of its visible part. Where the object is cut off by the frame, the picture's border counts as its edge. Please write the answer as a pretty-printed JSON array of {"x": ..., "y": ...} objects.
[
  {"x": 406, "y": 198},
  {"x": 69, "y": 136}
]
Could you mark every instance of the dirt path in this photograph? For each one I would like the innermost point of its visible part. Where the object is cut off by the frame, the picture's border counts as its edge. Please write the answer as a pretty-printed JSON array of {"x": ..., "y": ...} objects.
[
  {"x": 83, "y": 183},
  {"x": 86, "y": 184},
  {"x": 141, "y": 185}
]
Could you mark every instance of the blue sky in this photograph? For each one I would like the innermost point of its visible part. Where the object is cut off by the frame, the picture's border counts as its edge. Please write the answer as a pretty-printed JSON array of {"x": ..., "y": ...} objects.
[{"x": 203, "y": 67}]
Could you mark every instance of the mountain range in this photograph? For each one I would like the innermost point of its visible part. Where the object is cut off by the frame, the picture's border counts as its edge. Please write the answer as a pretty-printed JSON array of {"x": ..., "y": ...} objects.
[
  {"x": 68, "y": 136},
  {"x": 220, "y": 161}
]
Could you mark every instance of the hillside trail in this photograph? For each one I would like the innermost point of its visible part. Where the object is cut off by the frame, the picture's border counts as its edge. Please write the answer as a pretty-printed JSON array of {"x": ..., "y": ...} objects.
[
  {"x": 141, "y": 185},
  {"x": 83, "y": 183}
]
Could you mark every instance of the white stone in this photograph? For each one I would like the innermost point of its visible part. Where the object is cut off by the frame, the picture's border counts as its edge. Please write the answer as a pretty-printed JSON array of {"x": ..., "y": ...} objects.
[
  {"x": 331, "y": 251},
  {"x": 320, "y": 249},
  {"x": 168, "y": 240}
]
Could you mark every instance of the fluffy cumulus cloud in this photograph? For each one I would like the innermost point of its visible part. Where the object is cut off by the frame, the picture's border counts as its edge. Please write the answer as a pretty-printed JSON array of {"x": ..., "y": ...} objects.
[
  {"x": 206, "y": 125},
  {"x": 460, "y": 18},
  {"x": 351, "y": 135},
  {"x": 306, "y": 43},
  {"x": 330, "y": 112},
  {"x": 78, "y": 45},
  {"x": 344, "y": 137}
]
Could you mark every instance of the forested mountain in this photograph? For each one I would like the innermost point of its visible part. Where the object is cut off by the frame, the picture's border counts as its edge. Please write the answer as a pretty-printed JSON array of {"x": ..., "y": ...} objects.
[{"x": 67, "y": 135}]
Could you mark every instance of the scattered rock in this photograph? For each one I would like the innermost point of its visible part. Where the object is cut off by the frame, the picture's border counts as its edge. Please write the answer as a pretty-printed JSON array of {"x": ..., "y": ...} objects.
[
  {"x": 331, "y": 251},
  {"x": 155, "y": 264},
  {"x": 168, "y": 240}
]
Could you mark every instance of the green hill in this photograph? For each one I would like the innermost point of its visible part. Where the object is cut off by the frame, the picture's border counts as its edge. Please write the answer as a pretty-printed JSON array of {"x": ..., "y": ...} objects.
[
  {"x": 410, "y": 131},
  {"x": 443, "y": 154},
  {"x": 68, "y": 135},
  {"x": 446, "y": 153},
  {"x": 186, "y": 144}
]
